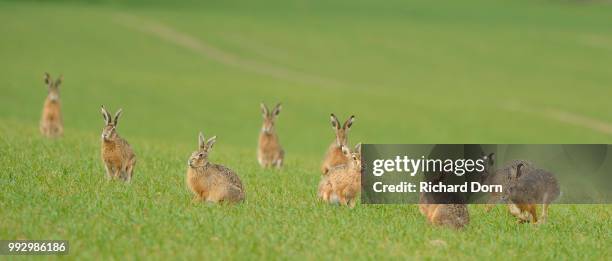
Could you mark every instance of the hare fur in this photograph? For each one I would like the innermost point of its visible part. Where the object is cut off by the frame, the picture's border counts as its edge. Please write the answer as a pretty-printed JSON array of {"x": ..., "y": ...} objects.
[
  {"x": 343, "y": 182},
  {"x": 269, "y": 151},
  {"x": 51, "y": 122},
  {"x": 334, "y": 155},
  {"x": 211, "y": 182},
  {"x": 117, "y": 154}
]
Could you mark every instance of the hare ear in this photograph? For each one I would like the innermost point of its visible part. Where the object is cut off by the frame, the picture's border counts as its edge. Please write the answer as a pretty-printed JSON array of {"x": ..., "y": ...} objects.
[
  {"x": 349, "y": 122},
  {"x": 210, "y": 143},
  {"x": 47, "y": 78},
  {"x": 117, "y": 114},
  {"x": 59, "y": 81},
  {"x": 201, "y": 140},
  {"x": 277, "y": 109},
  {"x": 264, "y": 110},
  {"x": 346, "y": 151},
  {"x": 334, "y": 121},
  {"x": 515, "y": 173},
  {"x": 358, "y": 148},
  {"x": 491, "y": 158},
  {"x": 106, "y": 115}
]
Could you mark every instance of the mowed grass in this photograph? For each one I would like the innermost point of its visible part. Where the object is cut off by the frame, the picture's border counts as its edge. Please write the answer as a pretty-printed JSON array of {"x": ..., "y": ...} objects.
[{"x": 453, "y": 72}]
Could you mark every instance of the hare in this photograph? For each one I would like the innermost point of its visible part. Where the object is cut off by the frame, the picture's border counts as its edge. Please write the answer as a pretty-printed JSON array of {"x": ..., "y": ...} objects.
[
  {"x": 435, "y": 207},
  {"x": 269, "y": 151},
  {"x": 528, "y": 187},
  {"x": 334, "y": 155},
  {"x": 117, "y": 155},
  {"x": 343, "y": 182},
  {"x": 212, "y": 182},
  {"x": 448, "y": 215},
  {"x": 51, "y": 123},
  {"x": 500, "y": 177}
]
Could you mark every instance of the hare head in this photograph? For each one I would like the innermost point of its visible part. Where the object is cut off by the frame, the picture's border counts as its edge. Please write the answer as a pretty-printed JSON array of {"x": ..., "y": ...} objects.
[
  {"x": 53, "y": 87},
  {"x": 109, "y": 132},
  {"x": 341, "y": 131},
  {"x": 515, "y": 174},
  {"x": 489, "y": 163},
  {"x": 199, "y": 158},
  {"x": 269, "y": 117},
  {"x": 354, "y": 156}
]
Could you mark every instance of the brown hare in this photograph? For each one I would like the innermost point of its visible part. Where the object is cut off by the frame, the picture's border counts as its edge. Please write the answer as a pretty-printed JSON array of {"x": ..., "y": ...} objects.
[
  {"x": 501, "y": 177},
  {"x": 117, "y": 155},
  {"x": 211, "y": 182},
  {"x": 435, "y": 207},
  {"x": 269, "y": 151},
  {"x": 447, "y": 215},
  {"x": 334, "y": 155},
  {"x": 343, "y": 182},
  {"x": 528, "y": 187},
  {"x": 51, "y": 123}
]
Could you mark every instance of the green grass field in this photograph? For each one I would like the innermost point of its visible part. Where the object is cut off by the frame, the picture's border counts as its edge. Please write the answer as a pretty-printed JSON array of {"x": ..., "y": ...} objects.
[{"x": 420, "y": 72}]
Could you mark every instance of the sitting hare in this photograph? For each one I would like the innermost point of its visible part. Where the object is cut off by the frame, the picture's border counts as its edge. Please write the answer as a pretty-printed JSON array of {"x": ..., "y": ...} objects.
[
  {"x": 212, "y": 182},
  {"x": 51, "y": 124},
  {"x": 342, "y": 184},
  {"x": 334, "y": 155},
  {"x": 269, "y": 151},
  {"x": 117, "y": 154}
]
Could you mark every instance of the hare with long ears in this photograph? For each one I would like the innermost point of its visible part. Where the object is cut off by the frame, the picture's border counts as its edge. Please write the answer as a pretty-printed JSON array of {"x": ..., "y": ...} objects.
[
  {"x": 334, "y": 155},
  {"x": 211, "y": 182},
  {"x": 343, "y": 182},
  {"x": 269, "y": 151},
  {"x": 117, "y": 154},
  {"x": 51, "y": 123},
  {"x": 528, "y": 187}
]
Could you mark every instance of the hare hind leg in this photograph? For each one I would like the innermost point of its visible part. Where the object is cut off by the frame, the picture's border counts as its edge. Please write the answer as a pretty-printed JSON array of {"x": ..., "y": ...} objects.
[
  {"x": 528, "y": 213},
  {"x": 544, "y": 213},
  {"x": 518, "y": 210},
  {"x": 533, "y": 212}
]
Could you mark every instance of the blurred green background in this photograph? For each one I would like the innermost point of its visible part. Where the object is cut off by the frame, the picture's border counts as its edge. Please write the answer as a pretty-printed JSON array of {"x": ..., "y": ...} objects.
[
  {"x": 419, "y": 72},
  {"x": 411, "y": 71}
]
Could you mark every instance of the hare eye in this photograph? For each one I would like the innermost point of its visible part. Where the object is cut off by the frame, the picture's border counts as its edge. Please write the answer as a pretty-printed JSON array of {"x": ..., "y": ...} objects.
[{"x": 201, "y": 155}]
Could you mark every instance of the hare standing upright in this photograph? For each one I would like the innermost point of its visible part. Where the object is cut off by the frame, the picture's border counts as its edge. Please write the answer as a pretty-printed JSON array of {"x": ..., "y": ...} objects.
[
  {"x": 342, "y": 184},
  {"x": 334, "y": 155},
  {"x": 117, "y": 155},
  {"x": 269, "y": 151},
  {"x": 51, "y": 124},
  {"x": 212, "y": 182}
]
